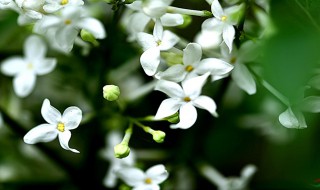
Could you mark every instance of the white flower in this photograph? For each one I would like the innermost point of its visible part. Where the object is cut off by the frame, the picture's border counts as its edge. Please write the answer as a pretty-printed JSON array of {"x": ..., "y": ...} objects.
[
  {"x": 153, "y": 44},
  {"x": 25, "y": 69},
  {"x": 55, "y": 5},
  {"x": 64, "y": 29},
  {"x": 58, "y": 125},
  {"x": 116, "y": 164},
  {"x": 184, "y": 99},
  {"x": 223, "y": 22},
  {"x": 140, "y": 180},
  {"x": 193, "y": 66},
  {"x": 230, "y": 183},
  {"x": 31, "y": 8}
]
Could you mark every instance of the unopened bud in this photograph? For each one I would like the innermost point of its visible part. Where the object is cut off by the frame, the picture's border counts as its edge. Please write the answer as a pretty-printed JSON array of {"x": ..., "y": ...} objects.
[
  {"x": 88, "y": 37},
  {"x": 121, "y": 150},
  {"x": 158, "y": 136},
  {"x": 111, "y": 92},
  {"x": 173, "y": 118}
]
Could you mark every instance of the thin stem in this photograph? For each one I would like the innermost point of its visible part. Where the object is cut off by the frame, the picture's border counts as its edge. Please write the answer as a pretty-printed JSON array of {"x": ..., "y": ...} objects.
[
  {"x": 128, "y": 134},
  {"x": 203, "y": 13}
]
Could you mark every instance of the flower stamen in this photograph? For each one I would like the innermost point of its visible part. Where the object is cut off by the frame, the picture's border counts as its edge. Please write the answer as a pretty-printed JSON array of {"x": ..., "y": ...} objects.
[
  {"x": 64, "y": 2},
  {"x": 187, "y": 99},
  {"x": 67, "y": 21},
  {"x": 189, "y": 68},
  {"x": 233, "y": 60},
  {"x": 60, "y": 127},
  {"x": 224, "y": 18},
  {"x": 148, "y": 180},
  {"x": 158, "y": 42}
]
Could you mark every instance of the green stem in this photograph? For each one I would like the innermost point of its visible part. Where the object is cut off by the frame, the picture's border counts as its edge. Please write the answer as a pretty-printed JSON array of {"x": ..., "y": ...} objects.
[{"x": 127, "y": 135}]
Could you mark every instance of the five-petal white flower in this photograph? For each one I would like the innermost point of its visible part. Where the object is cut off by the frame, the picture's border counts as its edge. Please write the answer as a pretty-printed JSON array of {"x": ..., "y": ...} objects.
[
  {"x": 25, "y": 69},
  {"x": 184, "y": 99},
  {"x": 193, "y": 66},
  {"x": 140, "y": 180},
  {"x": 58, "y": 125},
  {"x": 152, "y": 45}
]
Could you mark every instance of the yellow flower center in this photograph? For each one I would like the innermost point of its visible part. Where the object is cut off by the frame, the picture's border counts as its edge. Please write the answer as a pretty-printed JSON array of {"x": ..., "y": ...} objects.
[
  {"x": 224, "y": 18},
  {"x": 189, "y": 68},
  {"x": 187, "y": 99},
  {"x": 29, "y": 66},
  {"x": 148, "y": 180},
  {"x": 158, "y": 42},
  {"x": 67, "y": 21},
  {"x": 233, "y": 60},
  {"x": 64, "y": 2},
  {"x": 60, "y": 127}
]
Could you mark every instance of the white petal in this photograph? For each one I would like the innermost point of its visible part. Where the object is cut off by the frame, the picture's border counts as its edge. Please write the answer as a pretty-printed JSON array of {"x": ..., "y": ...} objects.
[
  {"x": 138, "y": 22},
  {"x": 175, "y": 73},
  {"x": 248, "y": 51},
  {"x": 41, "y": 133},
  {"x": 147, "y": 41},
  {"x": 248, "y": 171},
  {"x": 155, "y": 8},
  {"x": 167, "y": 108},
  {"x": 192, "y": 87},
  {"x": 65, "y": 37},
  {"x": 157, "y": 173},
  {"x": 216, "y": 9},
  {"x": 64, "y": 138},
  {"x": 34, "y": 48},
  {"x": 94, "y": 26},
  {"x": 243, "y": 78},
  {"x": 131, "y": 176},
  {"x": 47, "y": 22},
  {"x": 187, "y": 116},
  {"x": 212, "y": 24},
  {"x": 49, "y": 113},
  {"x": 170, "y": 19},
  {"x": 33, "y": 14},
  {"x": 158, "y": 30},
  {"x": 288, "y": 119},
  {"x": 192, "y": 54},
  {"x": 24, "y": 83},
  {"x": 12, "y": 66},
  {"x": 205, "y": 102},
  {"x": 172, "y": 89},
  {"x": 50, "y": 8},
  {"x": 208, "y": 39},
  {"x": 216, "y": 67},
  {"x": 150, "y": 60},
  {"x": 169, "y": 40},
  {"x": 71, "y": 117},
  {"x": 45, "y": 66},
  {"x": 228, "y": 35},
  {"x": 136, "y": 5}
]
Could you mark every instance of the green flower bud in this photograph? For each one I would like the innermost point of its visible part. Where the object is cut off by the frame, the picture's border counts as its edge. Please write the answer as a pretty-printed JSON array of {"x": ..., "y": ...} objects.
[
  {"x": 121, "y": 150},
  {"x": 111, "y": 92},
  {"x": 158, "y": 136},
  {"x": 187, "y": 19},
  {"x": 88, "y": 37},
  {"x": 173, "y": 118}
]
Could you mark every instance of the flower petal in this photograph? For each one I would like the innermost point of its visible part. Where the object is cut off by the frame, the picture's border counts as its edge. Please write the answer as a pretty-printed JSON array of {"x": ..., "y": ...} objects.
[
  {"x": 65, "y": 37},
  {"x": 34, "y": 48},
  {"x": 170, "y": 19},
  {"x": 50, "y": 8},
  {"x": 41, "y": 133},
  {"x": 147, "y": 41},
  {"x": 172, "y": 89},
  {"x": 131, "y": 176},
  {"x": 212, "y": 24},
  {"x": 187, "y": 115},
  {"x": 243, "y": 78},
  {"x": 228, "y": 36},
  {"x": 44, "y": 66},
  {"x": 192, "y": 87},
  {"x": 94, "y": 26},
  {"x": 216, "y": 67},
  {"x": 158, "y": 30},
  {"x": 216, "y": 9},
  {"x": 24, "y": 83},
  {"x": 192, "y": 54},
  {"x": 12, "y": 66},
  {"x": 150, "y": 60},
  {"x": 64, "y": 138},
  {"x": 288, "y": 119},
  {"x": 169, "y": 40},
  {"x": 49, "y": 113},
  {"x": 175, "y": 73},
  {"x": 71, "y": 117},
  {"x": 157, "y": 173},
  {"x": 167, "y": 108},
  {"x": 205, "y": 102}
]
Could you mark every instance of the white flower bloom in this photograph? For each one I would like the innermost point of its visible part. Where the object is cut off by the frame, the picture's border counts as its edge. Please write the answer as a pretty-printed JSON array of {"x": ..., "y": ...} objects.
[
  {"x": 152, "y": 45},
  {"x": 140, "y": 180},
  {"x": 241, "y": 74},
  {"x": 193, "y": 66},
  {"x": 230, "y": 183},
  {"x": 58, "y": 125},
  {"x": 138, "y": 20},
  {"x": 31, "y": 8},
  {"x": 55, "y": 5},
  {"x": 65, "y": 28},
  {"x": 184, "y": 99},
  {"x": 25, "y": 69},
  {"x": 223, "y": 22},
  {"x": 116, "y": 164}
]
